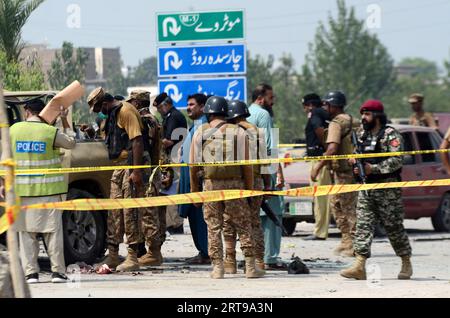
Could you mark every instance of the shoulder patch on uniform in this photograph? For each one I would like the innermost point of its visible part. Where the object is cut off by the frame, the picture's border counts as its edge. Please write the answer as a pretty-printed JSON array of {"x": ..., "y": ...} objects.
[{"x": 395, "y": 142}]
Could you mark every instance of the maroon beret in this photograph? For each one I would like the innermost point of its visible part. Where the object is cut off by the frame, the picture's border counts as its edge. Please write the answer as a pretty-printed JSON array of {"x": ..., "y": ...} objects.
[{"x": 372, "y": 105}]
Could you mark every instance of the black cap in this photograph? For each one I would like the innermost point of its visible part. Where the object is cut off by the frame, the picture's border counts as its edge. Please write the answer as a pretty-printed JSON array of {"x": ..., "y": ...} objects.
[
  {"x": 163, "y": 97},
  {"x": 311, "y": 99},
  {"x": 35, "y": 105}
]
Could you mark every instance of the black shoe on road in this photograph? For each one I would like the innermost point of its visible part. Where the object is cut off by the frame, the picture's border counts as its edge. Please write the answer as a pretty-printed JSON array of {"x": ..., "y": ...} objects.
[
  {"x": 59, "y": 278},
  {"x": 32, "y": 278}
]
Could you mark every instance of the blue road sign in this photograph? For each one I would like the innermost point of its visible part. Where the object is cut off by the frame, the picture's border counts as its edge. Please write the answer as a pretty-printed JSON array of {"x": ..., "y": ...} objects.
[
  {"x": 202, "y": 60},
  {"x": 233, "y": 88}
]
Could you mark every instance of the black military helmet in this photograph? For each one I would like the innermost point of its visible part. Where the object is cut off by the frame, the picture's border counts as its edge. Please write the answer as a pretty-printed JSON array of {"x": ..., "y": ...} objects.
[
  {"x": 216, "y": 105},
  {"x": 335, "y": 98},
  {"x": 237, "y": 108}
]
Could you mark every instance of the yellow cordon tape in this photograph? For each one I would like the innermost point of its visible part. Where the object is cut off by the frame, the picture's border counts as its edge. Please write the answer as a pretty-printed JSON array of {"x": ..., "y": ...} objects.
[
  {"x": 213, "y": 196},
  {"x": 291, "y": 145},
  {"x": 221, "y": 163}
]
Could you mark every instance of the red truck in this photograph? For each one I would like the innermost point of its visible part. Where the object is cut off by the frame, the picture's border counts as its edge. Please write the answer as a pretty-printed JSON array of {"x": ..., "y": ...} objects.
[{"x": 419, "y": 202}]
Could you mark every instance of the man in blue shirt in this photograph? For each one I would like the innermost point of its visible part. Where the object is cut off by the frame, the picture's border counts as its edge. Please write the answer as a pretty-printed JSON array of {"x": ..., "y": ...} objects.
[
  {"x": 261, "y": 116},
  {"x": 197, "y": 223}
]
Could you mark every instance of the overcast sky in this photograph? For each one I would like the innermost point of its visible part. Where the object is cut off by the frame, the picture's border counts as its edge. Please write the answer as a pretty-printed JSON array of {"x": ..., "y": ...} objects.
[{"x": 409, "y": 28}]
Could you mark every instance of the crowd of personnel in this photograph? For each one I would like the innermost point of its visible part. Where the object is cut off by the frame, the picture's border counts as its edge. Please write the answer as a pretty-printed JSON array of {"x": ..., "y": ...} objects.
[{"x": 221, "y": 130}]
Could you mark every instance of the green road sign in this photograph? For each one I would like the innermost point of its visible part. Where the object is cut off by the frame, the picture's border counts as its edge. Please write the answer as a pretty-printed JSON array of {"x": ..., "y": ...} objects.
[{"x": 200, "y": 26}]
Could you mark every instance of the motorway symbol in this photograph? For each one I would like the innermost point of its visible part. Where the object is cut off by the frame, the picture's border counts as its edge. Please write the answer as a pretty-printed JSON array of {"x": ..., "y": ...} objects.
[{"x": 200, "y": 26}]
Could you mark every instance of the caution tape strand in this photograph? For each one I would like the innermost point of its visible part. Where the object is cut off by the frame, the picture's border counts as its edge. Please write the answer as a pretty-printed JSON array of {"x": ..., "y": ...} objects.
[
  {"x": 211, "y": 196},
  {"x": 221, "y": 163}
]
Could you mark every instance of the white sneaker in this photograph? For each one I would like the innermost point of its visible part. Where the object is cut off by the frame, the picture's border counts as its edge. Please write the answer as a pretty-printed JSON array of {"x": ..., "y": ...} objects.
[
  {"x": 59, "y": 278},
  {"x": 32, "y": 278}
]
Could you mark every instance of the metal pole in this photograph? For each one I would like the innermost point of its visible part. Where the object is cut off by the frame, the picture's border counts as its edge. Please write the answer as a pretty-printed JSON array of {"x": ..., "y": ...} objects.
[{"x": 18, "y": 280}]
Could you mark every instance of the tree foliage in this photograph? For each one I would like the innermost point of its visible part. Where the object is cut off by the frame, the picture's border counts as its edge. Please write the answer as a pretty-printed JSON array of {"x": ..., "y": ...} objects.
[
  {"x": 13, "y": 16},
  {"x": 345, "y": 56},
  {"x": 69, "y": 65},
  {"x": 21, "y": 77}
]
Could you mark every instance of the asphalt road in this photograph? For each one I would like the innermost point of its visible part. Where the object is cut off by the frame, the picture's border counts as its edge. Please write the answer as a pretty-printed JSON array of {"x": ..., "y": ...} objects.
[{"x": 431, "y": 263}]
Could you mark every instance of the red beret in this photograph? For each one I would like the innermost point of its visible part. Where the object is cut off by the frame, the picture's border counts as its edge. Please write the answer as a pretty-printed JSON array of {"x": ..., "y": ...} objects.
[{"x": 372, "y": 105}]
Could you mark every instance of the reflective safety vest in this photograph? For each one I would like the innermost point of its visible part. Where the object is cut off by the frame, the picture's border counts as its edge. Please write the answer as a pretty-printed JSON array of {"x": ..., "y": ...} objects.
[{"x": 33, "y": 148}]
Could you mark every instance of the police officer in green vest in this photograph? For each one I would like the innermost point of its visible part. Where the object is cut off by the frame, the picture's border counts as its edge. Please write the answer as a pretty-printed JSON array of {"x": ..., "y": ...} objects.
[{"x": 35, "y": 145}]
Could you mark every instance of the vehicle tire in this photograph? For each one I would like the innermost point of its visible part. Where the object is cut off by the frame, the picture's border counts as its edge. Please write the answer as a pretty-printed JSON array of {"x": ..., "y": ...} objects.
[
  {"x": 289, "y": 224},
  {"x": 441, "y": 219},
  {"x": 84, "y": 232}
]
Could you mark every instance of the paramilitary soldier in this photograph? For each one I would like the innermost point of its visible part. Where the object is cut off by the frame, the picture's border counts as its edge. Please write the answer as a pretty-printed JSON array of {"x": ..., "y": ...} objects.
[
  {"x": 153, "y": 218},
  {"x": 125, "y": 146},
  {"x": 237, "y": 114},
  {"x": 383, "y": 205},
  {"x": 338, "y": 140},
  {"x": 218, "y": 141}
]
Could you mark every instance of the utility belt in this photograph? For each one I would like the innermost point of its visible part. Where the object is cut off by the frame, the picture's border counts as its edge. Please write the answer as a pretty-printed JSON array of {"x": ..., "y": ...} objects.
[{"x": 315, "y": 151}]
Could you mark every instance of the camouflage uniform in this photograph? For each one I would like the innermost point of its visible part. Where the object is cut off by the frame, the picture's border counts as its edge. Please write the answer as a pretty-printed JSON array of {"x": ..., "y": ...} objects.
[
  {"x": 153, "y": 219},
  {"x": 234, "y": 212},
  {"x": 383, "y": 205},
  {"x": 122, "y": 221},
  {"x": 342, "y": 205},
  {"x": 229, "y": 232}
]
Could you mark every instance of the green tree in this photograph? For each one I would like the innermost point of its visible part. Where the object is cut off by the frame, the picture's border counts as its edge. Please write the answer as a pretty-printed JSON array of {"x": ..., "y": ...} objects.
[
  {"x": 116, "y": 82},
  {"x": 426, "y": 70},
  {"x": 68, "y": 66},
  {"x": 347, "y": 57},
  {"x": 13, "y": 16},
  {"x": 145, "y": 73},
  {"x": 288, "y": 111},
  {"x": 259, "y": 70},
  {"x": 21, "y": 77}
]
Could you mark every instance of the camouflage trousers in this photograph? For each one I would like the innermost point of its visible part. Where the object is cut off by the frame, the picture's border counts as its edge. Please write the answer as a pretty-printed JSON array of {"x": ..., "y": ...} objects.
[
  {"x": 229, "y": 232},
  {"x": 343, "y": 205},
  {"x": 234, "y": 212},
  {"x": 137, "y": 224},
  {"x": 122, "y": 221},
  {"x": 153, "y": 219},
  {"x": 384, "y": 206}
]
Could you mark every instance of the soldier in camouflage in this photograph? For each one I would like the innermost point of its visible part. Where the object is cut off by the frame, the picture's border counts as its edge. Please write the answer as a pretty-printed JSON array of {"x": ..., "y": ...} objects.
[
  {"x": 152, "y": 219},
  {"x": 338, "y": 141},
  {"x": 212, "y": 142},
  {"x": 381, "y": 205}
]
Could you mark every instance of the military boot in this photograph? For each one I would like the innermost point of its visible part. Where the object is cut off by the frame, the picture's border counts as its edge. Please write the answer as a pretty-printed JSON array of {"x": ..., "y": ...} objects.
[
  {"x": 406, "y": 271},
  {"x": 345, "y": 244},
  {"x": 357, "y": 270},
  {"x": 259, "y": 264},
  {"x": 217, "y": 269},
  {"x": 112, "y": 259},
  {"x": 250, "y": 268},
  {"x": 131, "y": 262},
  {"x": 229, "y": 264},
  {"x": 152, "y": 258}
]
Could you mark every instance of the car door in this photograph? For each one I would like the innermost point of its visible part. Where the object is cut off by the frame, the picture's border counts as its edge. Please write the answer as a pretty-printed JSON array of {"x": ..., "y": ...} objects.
[
  {"x": 431, "y": 169},
  {"x": 411, "y": 197}
]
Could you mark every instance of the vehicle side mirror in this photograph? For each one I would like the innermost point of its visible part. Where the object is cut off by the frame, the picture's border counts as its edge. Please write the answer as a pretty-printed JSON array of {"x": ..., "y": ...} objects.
[{"x": 408, "y": 160}]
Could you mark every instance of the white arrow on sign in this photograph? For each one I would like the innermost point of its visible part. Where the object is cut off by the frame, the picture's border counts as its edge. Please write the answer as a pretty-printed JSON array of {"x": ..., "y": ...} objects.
[
  {"x": 176, "y": 96},
  {"x": 174, "y": 29},
  {"x": 175, "y": 63}
]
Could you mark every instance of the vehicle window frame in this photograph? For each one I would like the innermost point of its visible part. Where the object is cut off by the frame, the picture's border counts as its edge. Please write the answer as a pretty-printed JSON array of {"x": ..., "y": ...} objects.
[
  {"x": 436, "y": 159},
  {"x": 413, "y": 146}
]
